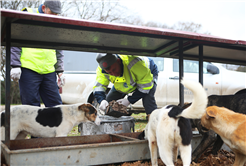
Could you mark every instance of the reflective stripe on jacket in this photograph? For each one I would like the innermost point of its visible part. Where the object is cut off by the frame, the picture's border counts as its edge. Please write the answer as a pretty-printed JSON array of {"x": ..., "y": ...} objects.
[
  {"x": 41, "y": 61},
  {"x": 136, "y": 74}
]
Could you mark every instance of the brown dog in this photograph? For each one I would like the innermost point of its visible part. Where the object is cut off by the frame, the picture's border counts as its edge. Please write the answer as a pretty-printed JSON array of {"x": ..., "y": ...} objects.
[
  {"x": 231, "y": 127},
  {"x": 236, "y": 103}
]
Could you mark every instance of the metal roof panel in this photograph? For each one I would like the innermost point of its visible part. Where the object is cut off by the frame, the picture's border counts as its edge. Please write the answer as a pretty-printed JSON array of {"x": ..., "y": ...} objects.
[{"x": 57, "y": 32}]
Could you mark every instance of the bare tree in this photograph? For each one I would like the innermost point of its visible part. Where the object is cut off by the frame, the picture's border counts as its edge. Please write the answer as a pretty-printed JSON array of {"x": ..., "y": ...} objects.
[
  {"x": 182, "y": 26},
  {"x": 189, "y": 27},
  {"x": 14, "y": 90},
  {"x": 102, "y": 10},
  {"x": 19, "y": 4}
]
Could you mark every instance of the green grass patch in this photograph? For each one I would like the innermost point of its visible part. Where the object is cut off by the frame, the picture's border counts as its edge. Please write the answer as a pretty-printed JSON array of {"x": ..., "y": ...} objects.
[
  {"x": 140, "y": 121},
  {"x": 74, "y": 132}
]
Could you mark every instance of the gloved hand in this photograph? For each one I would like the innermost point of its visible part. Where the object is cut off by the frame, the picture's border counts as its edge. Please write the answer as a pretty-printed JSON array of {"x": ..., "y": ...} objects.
[
  {"x": 15, "y": 73},
  {"x": 61, "y": 80},
  {"x": 124, "y": 102},
  {"x": 103, "y": 105}
]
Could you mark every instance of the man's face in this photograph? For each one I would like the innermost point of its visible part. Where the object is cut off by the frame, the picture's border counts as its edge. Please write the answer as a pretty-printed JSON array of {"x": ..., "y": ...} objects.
[
  {"x": 114, "y": 69},
  {"x": 47, "y": 10}
]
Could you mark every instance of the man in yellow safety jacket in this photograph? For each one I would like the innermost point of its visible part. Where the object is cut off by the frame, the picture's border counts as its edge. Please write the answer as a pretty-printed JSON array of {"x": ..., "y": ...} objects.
[
  {"x": 129, "y": 74},
  {"x": 36, "y": 68}
]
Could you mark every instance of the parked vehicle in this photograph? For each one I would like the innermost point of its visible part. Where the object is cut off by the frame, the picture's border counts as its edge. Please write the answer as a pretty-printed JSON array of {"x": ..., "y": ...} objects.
[{"x": 216, "y": 80}]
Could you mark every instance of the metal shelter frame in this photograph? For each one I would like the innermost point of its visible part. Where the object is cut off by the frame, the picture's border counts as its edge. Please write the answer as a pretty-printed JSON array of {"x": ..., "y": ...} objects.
[{"x": 22, "y": 29}]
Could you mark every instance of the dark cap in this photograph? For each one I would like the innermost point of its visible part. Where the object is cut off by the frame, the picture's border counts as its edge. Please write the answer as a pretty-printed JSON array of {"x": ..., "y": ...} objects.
[
  {"x": 106, "y": 60},
  {"x": 54, "y": 6}
]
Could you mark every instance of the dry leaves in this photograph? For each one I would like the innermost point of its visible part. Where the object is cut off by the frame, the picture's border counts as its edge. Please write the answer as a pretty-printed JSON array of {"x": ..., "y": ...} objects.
[{"x": 207, "y": 159}]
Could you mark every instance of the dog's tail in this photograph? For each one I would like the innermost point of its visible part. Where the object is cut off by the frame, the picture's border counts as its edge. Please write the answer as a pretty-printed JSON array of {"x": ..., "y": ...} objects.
[
  {"x": 2, "y": 119},
  {"x": 199, "y": 103}
]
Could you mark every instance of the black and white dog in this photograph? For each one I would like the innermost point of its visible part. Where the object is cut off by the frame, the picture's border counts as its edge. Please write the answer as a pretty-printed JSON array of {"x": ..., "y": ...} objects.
[
  {"x": 47, "y": 122},
  {"x": 168, "y": 129}
]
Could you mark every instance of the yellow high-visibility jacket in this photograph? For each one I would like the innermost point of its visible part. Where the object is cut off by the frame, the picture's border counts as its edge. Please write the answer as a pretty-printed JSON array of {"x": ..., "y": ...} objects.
[
  {"x": 136, "y": 75},
  {"x": 41, "y": 61}
]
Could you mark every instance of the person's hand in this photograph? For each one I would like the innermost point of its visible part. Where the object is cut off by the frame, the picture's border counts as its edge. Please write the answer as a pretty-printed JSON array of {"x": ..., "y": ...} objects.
[
  {"x": 103, "y": 105},
  {"x": 15, "y": 73},
  {"x": 124, "y": 102},
  {"x": 61, "y": 80}
]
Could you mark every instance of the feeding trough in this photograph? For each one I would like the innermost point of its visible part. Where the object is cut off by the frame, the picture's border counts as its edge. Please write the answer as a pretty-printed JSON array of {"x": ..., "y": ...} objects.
[{"x": 79, "y": 150}]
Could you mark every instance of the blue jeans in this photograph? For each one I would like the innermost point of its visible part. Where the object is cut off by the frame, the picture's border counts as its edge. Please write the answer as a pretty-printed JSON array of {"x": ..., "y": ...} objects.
[{"x": 33, "y": 86}]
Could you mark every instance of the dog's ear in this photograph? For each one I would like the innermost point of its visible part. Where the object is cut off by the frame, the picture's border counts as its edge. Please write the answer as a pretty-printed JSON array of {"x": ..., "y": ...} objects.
[
  {"x": 210, "y": 113},
  {"x": 186, "y": 105},
  {"x": 84, "y": 107}
]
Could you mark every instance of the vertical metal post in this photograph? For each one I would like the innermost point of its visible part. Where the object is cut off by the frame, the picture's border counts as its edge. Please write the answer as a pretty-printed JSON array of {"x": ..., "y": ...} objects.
[
  {"x": 181, "y": 73},
  {"x": 201, "y": 64},
  {"x": 7, "y": 83}
]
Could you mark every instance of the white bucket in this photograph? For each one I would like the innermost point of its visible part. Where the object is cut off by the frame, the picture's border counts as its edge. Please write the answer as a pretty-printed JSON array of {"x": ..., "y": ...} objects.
[{"x": 109, "y": 125}]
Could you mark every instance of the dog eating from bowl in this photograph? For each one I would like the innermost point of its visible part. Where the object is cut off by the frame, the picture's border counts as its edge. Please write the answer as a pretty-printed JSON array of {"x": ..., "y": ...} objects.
[{"x": 55, "y": 121}]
